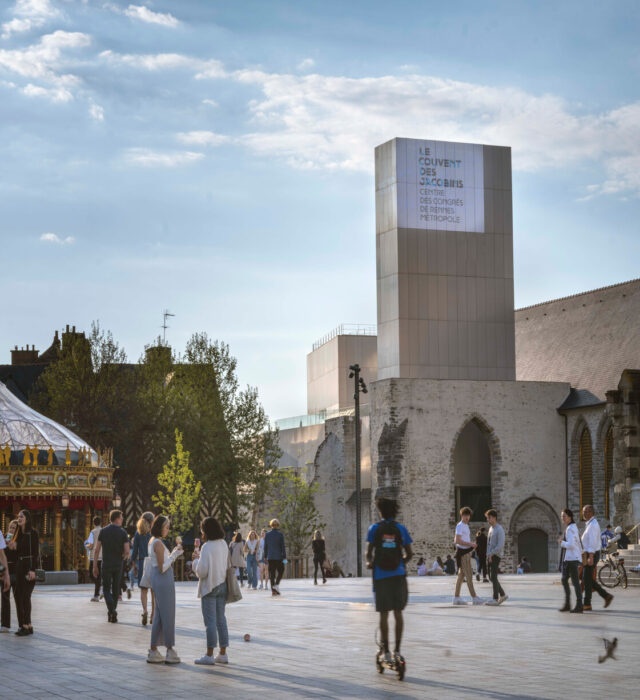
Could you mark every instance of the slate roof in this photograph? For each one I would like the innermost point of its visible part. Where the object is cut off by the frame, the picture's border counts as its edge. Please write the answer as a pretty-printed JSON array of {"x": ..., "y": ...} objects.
[
  {"x": 580, "y": 398},
  {"x": 587, "y": 339}
]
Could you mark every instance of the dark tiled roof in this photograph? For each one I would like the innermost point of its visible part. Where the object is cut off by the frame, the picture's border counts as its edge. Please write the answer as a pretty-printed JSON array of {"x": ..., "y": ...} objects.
[
  {"x": 587, "y": 339},
  {"x": 580, "y": 398}
]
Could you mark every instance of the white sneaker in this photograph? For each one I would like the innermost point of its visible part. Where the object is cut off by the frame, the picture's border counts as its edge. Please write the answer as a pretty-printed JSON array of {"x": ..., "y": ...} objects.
[
  {"x": 458, "y": 601},
  {"x": 260, "y": 587},
  {"x": 155, "y": 657},
  {"x": 477, "y": 601},
  {"x": 388, "y": 657},
  {"x": 95, "y": 599},
  {"x": 4, "y": 629},
  {"x": 492, "y": 602},
  {"x": 172, "y": 657},
  {"x": 205, "y": 660},
  {"x": 222, "y": 659},
  {"x": 502, "y": 598}
]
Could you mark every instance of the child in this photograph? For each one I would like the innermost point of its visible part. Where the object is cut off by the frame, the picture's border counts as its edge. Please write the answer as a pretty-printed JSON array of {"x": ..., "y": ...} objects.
[{"x": 386, "y": 541}]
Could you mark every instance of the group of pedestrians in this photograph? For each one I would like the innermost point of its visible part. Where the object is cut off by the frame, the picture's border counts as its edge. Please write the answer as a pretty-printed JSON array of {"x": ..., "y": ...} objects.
[
  {"x": 20, "y": 557},
  {"x": 262, "y": 558}
]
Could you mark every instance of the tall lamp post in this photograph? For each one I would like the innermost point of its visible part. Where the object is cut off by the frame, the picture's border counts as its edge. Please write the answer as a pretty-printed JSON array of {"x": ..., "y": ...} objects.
[{"x": 359, "y": 386}]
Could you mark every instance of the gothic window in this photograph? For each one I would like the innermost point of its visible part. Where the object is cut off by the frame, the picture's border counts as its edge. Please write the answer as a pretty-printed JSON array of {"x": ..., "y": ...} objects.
[
  {"x": 608, "y": 468},
  {"x": 586, "y": 473},
  {"x": 472, "y": 471}
]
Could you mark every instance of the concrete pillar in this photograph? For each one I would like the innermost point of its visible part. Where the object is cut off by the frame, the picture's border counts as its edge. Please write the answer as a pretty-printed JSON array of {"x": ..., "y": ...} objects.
[
  {"x": 87, "y": 530},
  {"x": 57, "y": 537}
]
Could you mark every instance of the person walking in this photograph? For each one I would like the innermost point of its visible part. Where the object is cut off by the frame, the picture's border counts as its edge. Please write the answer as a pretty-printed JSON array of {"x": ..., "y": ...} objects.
[
  {"x": 26, "y": 545},
  {"x": 237, "y": 556},
  {"x": 464, "y": 549},
  {"x": 210, "y": 566},
  {"x": 481, "y": 554},
  {"x": 275, "y": 555},
  {"x": 264, "y": 569},
  {"x": 163, "y": 628},
  {"x": 591, "y": 547},
  {"x": 140, "y": 552},
  {"x": 113, "y": 545},
  {"x": 494, "y": 553},
  {"x": 388, "y": 551},
  {"x": 318, "y": 545},
  {"x": 91, "y": 546},
  {"x": 251, "y": 547},
  {"x": 12, "y": 561},
  {"x": 571, "y": 558}
]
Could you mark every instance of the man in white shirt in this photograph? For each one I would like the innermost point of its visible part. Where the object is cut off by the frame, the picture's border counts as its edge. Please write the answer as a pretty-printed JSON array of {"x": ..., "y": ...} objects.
[
  {"x": 464, "y": 549},
  {"x": 591, "y": 546}
]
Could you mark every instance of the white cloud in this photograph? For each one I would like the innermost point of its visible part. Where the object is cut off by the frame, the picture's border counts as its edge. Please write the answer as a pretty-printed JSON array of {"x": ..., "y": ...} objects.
[
  {"x": 146, "y": 157},
  {"x": 317, "y": 121},
  {"x": 144, "y": 14},
  {"x": 202, "y": 138},
  {"x": 54, "y": 238},
  {"x": 211, "y": 103},
  {"x": 30, "y": 14},
  {"x": 167, "y": 61},
  {"x": 306, "y": 64},
  {"x": 55, "y": 94},
  {"x": 96, "y": 112}
]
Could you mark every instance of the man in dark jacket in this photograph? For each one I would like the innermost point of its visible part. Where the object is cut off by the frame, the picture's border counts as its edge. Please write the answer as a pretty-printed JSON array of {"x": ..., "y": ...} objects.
[
  {"x": 481, "y": 554},
  {"x": 275, "y": 555}
]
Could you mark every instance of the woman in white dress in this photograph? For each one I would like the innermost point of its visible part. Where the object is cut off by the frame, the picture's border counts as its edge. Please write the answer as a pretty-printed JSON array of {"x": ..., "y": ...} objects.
[{"x": 163, "y": 629}]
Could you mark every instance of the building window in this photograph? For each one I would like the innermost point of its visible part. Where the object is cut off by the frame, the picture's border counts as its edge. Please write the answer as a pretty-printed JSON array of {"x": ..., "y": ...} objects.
[
  {"x": 586, "y": 473},
  {"x": 608, "y": 468},
  {"x": 472, "y": 471}
]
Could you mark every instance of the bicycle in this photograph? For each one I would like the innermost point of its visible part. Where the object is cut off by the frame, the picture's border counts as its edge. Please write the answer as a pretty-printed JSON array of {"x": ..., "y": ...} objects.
[{"x": 612, "y": 573}]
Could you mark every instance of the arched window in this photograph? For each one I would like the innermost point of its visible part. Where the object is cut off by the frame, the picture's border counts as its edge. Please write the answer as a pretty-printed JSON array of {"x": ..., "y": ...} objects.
[
  {"x": 608, "y": 468},
  {"x": 586, "y": 473},
  {"x": 472, "y": 471}
]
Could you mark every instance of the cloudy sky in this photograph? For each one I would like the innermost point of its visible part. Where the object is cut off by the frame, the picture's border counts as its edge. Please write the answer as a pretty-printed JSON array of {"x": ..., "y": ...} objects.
[{"x": 216, "y": 158}]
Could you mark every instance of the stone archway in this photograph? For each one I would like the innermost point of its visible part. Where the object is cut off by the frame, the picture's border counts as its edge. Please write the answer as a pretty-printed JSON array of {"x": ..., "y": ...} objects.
[
  {"x": 534, "y": 514},
  {"x": 495, "y": 458}
]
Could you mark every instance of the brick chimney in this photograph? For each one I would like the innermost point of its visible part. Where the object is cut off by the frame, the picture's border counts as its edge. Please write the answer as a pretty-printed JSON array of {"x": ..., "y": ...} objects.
[{"x": 24, "y": 356}]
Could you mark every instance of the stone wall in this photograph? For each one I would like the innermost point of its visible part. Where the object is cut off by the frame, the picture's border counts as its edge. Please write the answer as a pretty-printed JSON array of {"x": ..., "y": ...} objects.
[{"x": 414, "y": 428}]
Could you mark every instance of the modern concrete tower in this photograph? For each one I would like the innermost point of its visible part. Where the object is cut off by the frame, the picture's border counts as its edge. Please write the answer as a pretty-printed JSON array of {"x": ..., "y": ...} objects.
[{"x": 444, "y": 249}]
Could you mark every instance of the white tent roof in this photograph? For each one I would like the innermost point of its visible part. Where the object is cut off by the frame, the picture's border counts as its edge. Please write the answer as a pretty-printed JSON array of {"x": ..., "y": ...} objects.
[{"x": 21, "y": 426}]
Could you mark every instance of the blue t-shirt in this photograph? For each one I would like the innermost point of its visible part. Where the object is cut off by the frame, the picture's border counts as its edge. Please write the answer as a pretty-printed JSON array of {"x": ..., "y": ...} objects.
[{"x": 379, "y": 573}]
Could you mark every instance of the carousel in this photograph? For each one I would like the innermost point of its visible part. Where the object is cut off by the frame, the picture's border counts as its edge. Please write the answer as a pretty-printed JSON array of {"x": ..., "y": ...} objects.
[{"x": 58, "y": 477}]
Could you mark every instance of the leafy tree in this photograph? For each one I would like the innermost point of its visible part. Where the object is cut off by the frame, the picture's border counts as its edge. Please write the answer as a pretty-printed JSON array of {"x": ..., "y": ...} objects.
[
  {"x": 179, "y": 497},
  {"x": 296, "y": 510}
]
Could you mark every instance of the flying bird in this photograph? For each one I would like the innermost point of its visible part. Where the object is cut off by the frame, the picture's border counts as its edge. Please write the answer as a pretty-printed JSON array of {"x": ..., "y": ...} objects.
[{"x": 609, "y": 647}]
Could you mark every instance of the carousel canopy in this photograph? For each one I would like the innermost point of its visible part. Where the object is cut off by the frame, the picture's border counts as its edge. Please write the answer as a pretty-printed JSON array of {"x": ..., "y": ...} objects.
[{"x": 21, "y": 426}]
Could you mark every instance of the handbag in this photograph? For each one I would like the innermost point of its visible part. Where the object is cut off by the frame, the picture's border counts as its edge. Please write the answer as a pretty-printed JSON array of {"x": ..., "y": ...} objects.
[
  {"x": 40, "y": 575},
  {"x": 145, "y": 579},
  {"x": 233, "y": 589}
]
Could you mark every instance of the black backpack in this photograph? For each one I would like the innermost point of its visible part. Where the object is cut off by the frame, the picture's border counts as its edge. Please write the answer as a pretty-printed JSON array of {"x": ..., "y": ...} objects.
[{"x": 388, "y": 545}]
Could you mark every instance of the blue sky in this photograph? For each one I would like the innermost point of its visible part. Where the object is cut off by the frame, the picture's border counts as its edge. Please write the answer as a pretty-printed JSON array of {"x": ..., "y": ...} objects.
[{"x": 216, "y": 159}]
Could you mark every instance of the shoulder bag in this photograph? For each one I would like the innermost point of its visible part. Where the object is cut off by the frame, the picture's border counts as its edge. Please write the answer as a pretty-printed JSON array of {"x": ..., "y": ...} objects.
[{"x": 233, "y": 588}]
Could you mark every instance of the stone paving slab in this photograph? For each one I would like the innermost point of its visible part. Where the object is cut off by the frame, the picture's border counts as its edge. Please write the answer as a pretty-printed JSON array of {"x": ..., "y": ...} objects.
[{"x": 318, "y": 642}]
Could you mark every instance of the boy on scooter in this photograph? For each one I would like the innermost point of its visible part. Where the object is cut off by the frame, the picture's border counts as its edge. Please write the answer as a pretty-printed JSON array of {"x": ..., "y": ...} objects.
[{"x": 386, "y": 541}]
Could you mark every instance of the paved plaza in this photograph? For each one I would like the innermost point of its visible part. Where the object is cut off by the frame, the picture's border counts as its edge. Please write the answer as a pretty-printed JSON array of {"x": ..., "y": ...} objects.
[{"x": 318, "y": 641}]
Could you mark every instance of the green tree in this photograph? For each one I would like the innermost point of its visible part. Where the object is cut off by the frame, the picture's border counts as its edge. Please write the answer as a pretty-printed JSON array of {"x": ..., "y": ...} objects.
[
  {"x": 179, "y": 497},
  {"x": 296, "y": 510}
]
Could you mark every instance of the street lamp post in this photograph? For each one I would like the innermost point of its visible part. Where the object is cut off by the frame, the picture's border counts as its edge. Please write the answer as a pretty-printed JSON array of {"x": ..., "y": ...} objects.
[{"x": 359, "y": 386}]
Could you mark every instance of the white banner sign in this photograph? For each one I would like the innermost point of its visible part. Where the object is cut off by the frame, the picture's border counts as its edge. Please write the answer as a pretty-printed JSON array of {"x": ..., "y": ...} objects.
[{"x": 440, "y": 185}]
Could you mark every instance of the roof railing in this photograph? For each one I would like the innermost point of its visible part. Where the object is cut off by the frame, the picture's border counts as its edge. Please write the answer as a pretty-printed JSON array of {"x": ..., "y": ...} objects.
[{"x": 346, "y": 329}]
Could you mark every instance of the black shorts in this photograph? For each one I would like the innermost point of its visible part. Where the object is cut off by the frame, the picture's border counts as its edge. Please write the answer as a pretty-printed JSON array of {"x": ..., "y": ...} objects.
[{"x": 391, "y": 593}]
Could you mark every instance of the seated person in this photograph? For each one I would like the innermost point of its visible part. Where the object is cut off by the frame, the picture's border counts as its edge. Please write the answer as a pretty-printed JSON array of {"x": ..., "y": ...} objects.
[
  {"x": 450, "y": 566},
  {"x": 524, "y": 567},
  {"x": 437, "y": 568},
  {"x": 336, "y": 570},
  {"x": 422, "y": 567}
]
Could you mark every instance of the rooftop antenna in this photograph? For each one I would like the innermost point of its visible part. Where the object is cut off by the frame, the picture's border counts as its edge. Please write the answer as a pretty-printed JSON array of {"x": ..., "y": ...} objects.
[{"x": 164, "y": 326}]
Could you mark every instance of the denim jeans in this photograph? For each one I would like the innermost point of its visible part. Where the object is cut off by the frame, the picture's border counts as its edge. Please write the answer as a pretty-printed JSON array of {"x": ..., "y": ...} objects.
[
  {"x": 252, "y": 570},
  {"x": 213, "y": 605},
  {"x": 111, "y": 575}
]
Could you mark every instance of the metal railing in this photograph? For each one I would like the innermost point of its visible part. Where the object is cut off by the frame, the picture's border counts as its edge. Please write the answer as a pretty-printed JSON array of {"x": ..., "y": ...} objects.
[
  {"x": 346, "y": 329},
  {"x": 305, "y": 421}
]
